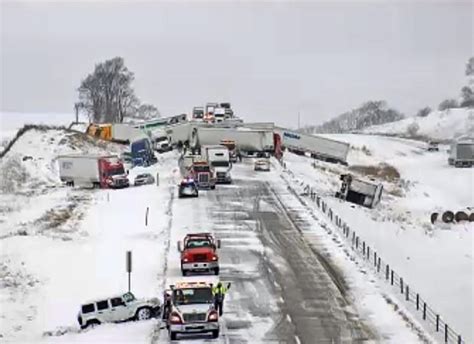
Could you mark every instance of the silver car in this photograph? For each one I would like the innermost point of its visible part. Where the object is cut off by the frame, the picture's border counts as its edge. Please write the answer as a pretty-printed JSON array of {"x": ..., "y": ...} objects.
[{"x": 143, "y": 179}]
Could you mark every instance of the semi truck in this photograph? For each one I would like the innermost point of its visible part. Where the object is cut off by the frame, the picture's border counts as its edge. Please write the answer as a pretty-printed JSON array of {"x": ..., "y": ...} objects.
[
  {"x": 461, "y": 153},
  {"x": 142, "y": 153},
  {"x": 219, "y": 158},
  {"x": 359, "y": 191},
  {"x": 117, "y": 132},
  {"x": 246, "y": 140},
  {"x": 98, "y": 171},
  {"x": 318, "y": 147},
  {"x": 198, "y": 112}
]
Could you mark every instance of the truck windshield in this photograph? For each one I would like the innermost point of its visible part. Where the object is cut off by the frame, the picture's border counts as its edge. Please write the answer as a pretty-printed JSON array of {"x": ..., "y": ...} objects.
[
  {"x": 201, "y": 168},
  {"x": 198, "y": 243},
  {"x": 192, "y": 295},
  {"x": 220, "y": 163},
  {"x": 161, "y": 139},
  {"x": 115, "y": 171}
]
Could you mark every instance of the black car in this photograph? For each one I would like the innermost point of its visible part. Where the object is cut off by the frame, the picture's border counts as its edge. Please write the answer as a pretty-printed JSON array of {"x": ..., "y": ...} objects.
[{"x": 188, "y": 188}]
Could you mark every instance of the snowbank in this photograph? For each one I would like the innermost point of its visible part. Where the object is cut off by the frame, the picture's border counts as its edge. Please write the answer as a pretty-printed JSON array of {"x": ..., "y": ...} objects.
[{"x": 440, "y": 125}]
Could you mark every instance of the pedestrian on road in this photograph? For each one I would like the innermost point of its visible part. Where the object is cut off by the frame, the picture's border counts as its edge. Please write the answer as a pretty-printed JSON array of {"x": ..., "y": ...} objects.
[{"x": 219, "y": 292}]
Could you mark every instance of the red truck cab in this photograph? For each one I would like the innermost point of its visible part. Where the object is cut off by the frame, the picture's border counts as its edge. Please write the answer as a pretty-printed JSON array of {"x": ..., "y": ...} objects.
[
  {"x": 199, "y": 253},
  {"x": 112, "y": 174},
  {"x": 203, "y": 174}
]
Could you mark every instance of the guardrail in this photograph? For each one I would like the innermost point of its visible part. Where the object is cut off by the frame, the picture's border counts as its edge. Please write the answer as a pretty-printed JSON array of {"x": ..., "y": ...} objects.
[{"x": 381, "y": 268}]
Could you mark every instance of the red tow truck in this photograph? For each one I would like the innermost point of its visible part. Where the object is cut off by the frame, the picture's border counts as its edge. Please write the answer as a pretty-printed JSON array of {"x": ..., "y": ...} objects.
[{"x": 199, "y": 253}]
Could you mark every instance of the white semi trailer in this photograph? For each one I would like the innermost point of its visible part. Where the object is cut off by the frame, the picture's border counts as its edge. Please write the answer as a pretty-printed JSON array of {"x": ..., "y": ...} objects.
[
  {"x": 318, "y": 147},
  {"x": 461, "y": 153},
  {"x": 246, "y": 140},
  {"x": 360, "y": 191}
]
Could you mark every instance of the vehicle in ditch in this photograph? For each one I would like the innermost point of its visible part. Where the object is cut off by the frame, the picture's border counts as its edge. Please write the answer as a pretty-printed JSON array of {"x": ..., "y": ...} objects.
[
  {"x": 199, "y": 253},
  {"x": 191, "y": 310},
  {"x": 117, "y": 309}
]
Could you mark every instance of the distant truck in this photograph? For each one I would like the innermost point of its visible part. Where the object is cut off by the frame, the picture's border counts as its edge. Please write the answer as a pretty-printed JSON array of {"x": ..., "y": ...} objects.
[
  {"x": 461, "y": 153},
  {"x": 161, "y": 141},
  {"x": 219, "y": 115},
  {"x": 360, "y": 192},
  {"x": 199, "y": 253},
  {"x": 218, "y": 157},
  {"x": 246, "y": 140},
  {"x": 230, "y": 144},
  {"x": 318, "y": 147},
  {"x": 142, "y": 153},
  {"x": 198, "y": 112},
  {"x": 98, "y": 171}
]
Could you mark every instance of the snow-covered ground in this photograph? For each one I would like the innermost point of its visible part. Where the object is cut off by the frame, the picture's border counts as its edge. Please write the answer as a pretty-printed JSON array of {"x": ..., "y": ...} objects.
[
  {"x": 441, "y": 125},
  {"x": 437, "y": 261}
]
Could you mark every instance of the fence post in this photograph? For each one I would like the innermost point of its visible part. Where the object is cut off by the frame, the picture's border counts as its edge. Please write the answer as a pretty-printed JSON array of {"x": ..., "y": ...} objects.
[
  {"x": 459, "y": 339},
  {"x": 378, "y": 265},
  {"x": 363, "y": 248},
  {"x": 391, "y": 277},
  {"x": 437, "y": 322},
  {"x": 347, "y": 231},
  {"x": 387, "y": 269},
  {"x": 424, "y": 310},
  {"x": 368, "y": 253},
  {"x": 445, "y": 333},
  {"x": 408, "y": 293},
  {"x": 353, "y": 238},
  {"x": 401, "y": 285},
  {"x": 375, "y": 258},
  {"x": 417, "y": 301},
  {"x": 357, "y": 243}
]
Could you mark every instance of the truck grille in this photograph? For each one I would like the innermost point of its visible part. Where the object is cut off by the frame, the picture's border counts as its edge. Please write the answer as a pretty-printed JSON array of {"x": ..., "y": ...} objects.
[
  {"x": 193, "y": 317},
  {"x": 200, "y": 257},
  {"x": 203, "y": 178},
  {"x": 220, "y": 175}
]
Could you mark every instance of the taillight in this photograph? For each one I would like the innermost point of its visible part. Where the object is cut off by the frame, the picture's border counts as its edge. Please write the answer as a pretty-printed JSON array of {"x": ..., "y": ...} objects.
[
  {"x": 213, "y": 316},
  {"x": 175, "y": 318}
]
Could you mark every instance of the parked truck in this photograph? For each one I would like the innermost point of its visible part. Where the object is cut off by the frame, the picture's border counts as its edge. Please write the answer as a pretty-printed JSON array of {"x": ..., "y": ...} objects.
[
  {"x": 359, "y": 191},
  {"x": 218, "y": 157},
  {"x": 98, "y": 171},
  {"x": 116, "y": 132},
  {"x": 461, "y": 153},
  {"x": 246, "y": 140},
  {"x": 142, "y": 153},
  {"x": 318, "y": 147}
]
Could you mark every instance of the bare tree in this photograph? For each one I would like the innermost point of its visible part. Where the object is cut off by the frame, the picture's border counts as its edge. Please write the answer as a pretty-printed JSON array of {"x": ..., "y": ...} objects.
[
  {"x": 107, "y": 94},
  {"x": 424, "y": 112}
]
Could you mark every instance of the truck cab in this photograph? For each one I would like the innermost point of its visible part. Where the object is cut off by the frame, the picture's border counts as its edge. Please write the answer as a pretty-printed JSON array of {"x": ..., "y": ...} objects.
[
  {"x": 203, "y": 174},
  {"x": 142, "y": 153},
  {"x": 191, "y": 310},
  {"x": 219, "y": 158},
  {"x": 199, "y": 253},
  {"x": 219, "y": 115},
  {"x": 198, "y": 112}
]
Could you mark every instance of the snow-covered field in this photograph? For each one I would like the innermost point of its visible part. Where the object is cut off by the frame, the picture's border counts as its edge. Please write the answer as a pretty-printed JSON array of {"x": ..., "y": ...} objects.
[
  {"x": 437, "y": 260},
  {"x": 440, "y": 125}
]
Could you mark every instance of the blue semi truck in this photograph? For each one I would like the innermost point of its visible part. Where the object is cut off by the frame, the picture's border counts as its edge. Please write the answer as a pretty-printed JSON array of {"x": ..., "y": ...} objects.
[{"x": 142, "y": 153}]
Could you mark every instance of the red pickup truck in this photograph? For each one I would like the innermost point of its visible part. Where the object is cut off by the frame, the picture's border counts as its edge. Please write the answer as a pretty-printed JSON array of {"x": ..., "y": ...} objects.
[{"x": 199, "y": 253}]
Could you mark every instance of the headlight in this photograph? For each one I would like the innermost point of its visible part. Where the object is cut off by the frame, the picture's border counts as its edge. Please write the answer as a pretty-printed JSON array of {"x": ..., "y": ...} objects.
[
  {"x": 213, "y": 316},
  {"x": 214, "y": 258},
  {"x": 185, "y": 260}
]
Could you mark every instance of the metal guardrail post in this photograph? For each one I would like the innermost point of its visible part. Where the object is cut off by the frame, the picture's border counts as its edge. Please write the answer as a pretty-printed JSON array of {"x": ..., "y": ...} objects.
[
  {"x": 391, "y": 277},
  {"x": 401, "y": 285},
  {"x": 407, "y": 293},
  {"x": 417, "y": 301},
  {"x": 424, "y": 310},
  {"x": 445, "y": 333},
  {"x": 437, "y": 322},
  {"x": 387, "y": 270}
]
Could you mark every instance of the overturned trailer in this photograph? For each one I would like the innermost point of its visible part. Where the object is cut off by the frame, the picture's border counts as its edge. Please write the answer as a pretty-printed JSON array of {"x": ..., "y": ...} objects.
[{"x": 359, "y": 191}]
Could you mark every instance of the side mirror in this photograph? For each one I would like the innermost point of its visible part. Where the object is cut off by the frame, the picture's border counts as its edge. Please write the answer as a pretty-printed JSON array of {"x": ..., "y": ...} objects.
[
  {"x": 180, "y": 249},
  {"x": 218, "y": 243}
]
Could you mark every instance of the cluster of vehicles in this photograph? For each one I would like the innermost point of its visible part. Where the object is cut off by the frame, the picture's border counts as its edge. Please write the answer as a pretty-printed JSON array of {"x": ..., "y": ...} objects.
[{"x": 213, "y": 112}]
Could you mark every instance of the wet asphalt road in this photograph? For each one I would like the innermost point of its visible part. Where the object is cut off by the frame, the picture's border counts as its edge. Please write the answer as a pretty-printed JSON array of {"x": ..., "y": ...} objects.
[{"x": 283, "y": 290}]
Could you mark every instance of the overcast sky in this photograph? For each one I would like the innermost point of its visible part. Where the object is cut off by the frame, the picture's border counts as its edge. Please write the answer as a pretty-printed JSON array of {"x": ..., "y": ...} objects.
[{"x": 270, "y": 60}]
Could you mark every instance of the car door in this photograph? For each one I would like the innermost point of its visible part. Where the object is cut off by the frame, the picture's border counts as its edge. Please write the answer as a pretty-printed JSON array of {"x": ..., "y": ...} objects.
[
  {"x": 103, "y": 311},
  {"x": 119, "y": 310}
]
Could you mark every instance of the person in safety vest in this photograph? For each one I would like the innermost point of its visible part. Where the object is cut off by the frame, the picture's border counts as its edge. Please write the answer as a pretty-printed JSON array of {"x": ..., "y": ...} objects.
[{"x": 219, "y": 292}]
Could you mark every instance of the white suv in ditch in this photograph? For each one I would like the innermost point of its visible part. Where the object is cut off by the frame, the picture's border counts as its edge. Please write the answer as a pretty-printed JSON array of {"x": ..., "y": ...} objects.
[{"x": 116, "y": 309}]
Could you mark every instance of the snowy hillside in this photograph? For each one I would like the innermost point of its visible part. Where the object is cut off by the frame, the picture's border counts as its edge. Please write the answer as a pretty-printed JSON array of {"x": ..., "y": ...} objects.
[
  {"x": 439, "y": 125},
  {"x": 399, "y": 228}
]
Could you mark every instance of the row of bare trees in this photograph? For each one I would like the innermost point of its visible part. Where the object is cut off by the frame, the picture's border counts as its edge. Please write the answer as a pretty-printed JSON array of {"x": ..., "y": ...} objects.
[{"x": 106, "y": 95}]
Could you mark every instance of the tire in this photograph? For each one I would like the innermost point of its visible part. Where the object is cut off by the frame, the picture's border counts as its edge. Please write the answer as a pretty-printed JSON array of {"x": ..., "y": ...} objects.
[
  {"x": 213, "y": 187},
  {"x": 92, "y": 323},
  {"x": 215, "y": 334},
  {"x": 173, "y": 335},
  {"x": 216, "y": 271},
  {"x": 434, "y": 218},
  {"x": 448, "y": 216},
  {"x": 461, "y": 216},
  {"x": 184, "y": 272},
  {"x": 143, "y": 313}
]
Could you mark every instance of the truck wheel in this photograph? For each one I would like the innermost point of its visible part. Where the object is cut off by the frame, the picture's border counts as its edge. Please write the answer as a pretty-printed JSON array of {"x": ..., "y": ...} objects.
[
  {"x": 216, "y": 271},
  {"x": 213, "y": 187},
  {"x": 173, "y": 335},
  {"x": 448, "y": 216},
  {"x": 92, "y": 323},
  {"x": 184, "y": 272},
  {"x": 143, "y": 314},
  {"x": 471, "y": 217},
  {"x": 434, "y": 217},
  {"x": 215, "y": 334},
  {"x": 461, "y": 216}
]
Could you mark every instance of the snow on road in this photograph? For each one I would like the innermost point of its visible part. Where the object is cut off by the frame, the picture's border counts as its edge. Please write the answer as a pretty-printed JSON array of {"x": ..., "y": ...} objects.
[{"x": 437, "y": 261}]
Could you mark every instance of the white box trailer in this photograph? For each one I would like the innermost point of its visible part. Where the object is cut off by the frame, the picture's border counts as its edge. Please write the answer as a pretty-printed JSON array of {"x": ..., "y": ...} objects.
[
  {"x": 246, "y": 140},
  {"x": 179, "y": 133},
  {"x": 126, "y": 133},
  {"x": 461, "y": 153},
  {"x": 319, "y": 147}
]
